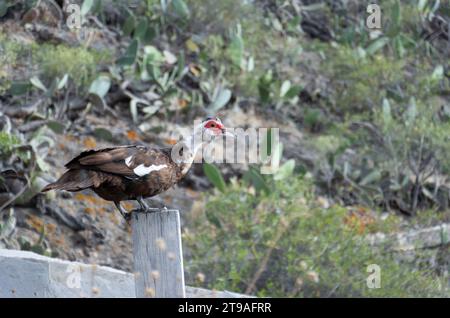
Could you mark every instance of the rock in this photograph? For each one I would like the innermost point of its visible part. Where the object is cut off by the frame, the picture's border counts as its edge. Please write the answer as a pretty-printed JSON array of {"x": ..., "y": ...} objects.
[
  {"x": 430, "y": 237},
  {"x": 193, "y": 292}
]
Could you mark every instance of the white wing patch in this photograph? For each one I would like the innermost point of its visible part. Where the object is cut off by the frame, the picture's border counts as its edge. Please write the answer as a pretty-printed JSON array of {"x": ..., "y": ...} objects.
[
  {"x": 142, "y": 170},
  {"x": 128, "y": 160}
]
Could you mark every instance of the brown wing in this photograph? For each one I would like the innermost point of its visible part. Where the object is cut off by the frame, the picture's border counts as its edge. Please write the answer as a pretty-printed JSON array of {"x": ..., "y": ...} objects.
[{"x": 119, "y": 160}]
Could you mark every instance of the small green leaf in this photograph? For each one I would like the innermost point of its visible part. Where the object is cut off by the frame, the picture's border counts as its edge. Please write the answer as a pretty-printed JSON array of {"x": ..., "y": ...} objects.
[
  {"x": 134, "y": 107},
  {"x": 100, "y": 85},
  {"x": 38, "y": 249},
  {"x": 395, "y": 19},
  {"x": 3, "y": 8},
  {"x": 293, "y": 92},
  {"x": 130, "y": 55},
  {"x": 181, "y": 9},
  {"x": 438, "y": 73},
  {"x": 62, "y": 82},
  {"x": 313, "y": 7},
  {"x": 129, "y": 25},
  {"x": 37, "y": 83},
  {"x": 387, "y": 116},
  {"x": 192, "y": 46},
  {"x": 264, "y": 87},
  {"x": 223, "y": 97},
  {"x": 97, "y": 100},
  {"x": 25, "y": 245},
  {"x": 257, "y": 180},
  {"x": 213, "y": 219},
  {"x": 213, "y": 174},
  {"x": 134, "y": 110},
  {"x": 275, "y": 154},
  {"x": 250, "y": 64},
  {"x": 150, "y": 110},
  {"x": 371, "y": 177},
  {"x": 42, "y": 164},
  {"x": 181, "y": 65},
  {"x": 141, "y": 29},
  {"x": 276, "y": 24},
  {"x": 56, "y": 126},
  {"x": 377, "y": 44},
  {"x": 421, "y": 5},
  {"x": 152, "y": 55},
  {"x": 411, "y": 112},
  {"x": 399, "y": 47},
  {"x": 169, "y": 57},
  {"x": 103, "y": 133},
  {"x": 86, "y": 7},
  {"x": 236, "y": 50},
  {"x": 19, "y": 88},
  {"x": 285, "y": 87},
  {"x": 285, "y": 170}
]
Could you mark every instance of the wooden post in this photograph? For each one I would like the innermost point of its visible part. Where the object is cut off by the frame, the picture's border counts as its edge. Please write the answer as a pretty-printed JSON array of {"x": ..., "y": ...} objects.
[{"x": 158, "y": 257}]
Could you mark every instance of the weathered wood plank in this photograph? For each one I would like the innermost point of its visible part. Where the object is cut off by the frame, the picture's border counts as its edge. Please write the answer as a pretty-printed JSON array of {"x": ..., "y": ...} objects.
[
  {"x": 158, "y": 257},
  {"x": 27, "y": 274}
]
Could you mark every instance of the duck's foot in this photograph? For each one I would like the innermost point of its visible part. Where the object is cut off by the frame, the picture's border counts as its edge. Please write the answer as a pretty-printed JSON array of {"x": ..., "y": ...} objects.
[
  {"x": 144, "y": 207},
  {"x": 126, "y": 215},
  {"x": 147, "y": 210}
]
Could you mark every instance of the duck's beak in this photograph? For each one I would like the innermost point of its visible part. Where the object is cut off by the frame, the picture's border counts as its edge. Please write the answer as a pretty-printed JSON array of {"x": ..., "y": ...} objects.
[{"x": 227, "y": 133}]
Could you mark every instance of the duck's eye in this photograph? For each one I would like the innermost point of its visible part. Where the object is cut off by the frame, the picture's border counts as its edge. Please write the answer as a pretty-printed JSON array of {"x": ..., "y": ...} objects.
[{"x": 212, "y": 125}]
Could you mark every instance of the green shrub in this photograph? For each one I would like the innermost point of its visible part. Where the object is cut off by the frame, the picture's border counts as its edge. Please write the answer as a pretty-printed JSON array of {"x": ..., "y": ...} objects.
[
  {"x": 80, "y": 63},
  {"x": 58, "y": 60},
  {"x": 218, "y": 16},
  {"x": 393, "y": 162},
  {"x": 10, "y": 52},
  {"x": 285, "y": 244},
  {"x": 7, "y": 143},
  {"x": 49, "y": 60},
  {"x": 360, "y": 82}
]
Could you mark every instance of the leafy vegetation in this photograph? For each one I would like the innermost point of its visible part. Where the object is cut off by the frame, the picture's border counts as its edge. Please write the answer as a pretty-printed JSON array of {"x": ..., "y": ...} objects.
[
  {"x": 79, "y": 63},
  {"x": 7, "y": 143},
  {"x": 285, "y": 244}
]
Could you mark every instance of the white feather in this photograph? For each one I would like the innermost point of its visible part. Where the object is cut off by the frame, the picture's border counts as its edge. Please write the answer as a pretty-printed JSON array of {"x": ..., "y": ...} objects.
[
  {"x": 142, "y": 170},
  {"x": 128, "y": 160}
]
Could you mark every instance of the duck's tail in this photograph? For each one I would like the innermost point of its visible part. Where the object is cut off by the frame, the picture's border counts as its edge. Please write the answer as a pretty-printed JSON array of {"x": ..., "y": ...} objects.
[{"x": 73, "y": 180}]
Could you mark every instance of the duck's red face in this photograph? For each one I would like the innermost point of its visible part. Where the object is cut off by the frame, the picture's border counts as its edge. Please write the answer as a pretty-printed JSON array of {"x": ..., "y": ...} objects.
[{"x": 214, "y": 125}]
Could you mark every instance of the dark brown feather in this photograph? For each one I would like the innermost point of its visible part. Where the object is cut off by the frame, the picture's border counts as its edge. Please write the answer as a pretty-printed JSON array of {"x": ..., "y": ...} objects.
[
  {"x": 74, "y": 180},
  {"x": 98, "y": 156},
  {"x": 110, "y": 173}
]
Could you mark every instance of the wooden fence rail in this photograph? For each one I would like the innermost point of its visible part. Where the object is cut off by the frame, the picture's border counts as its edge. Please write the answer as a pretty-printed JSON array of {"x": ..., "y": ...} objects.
[{"x": 158, "y": 256}]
